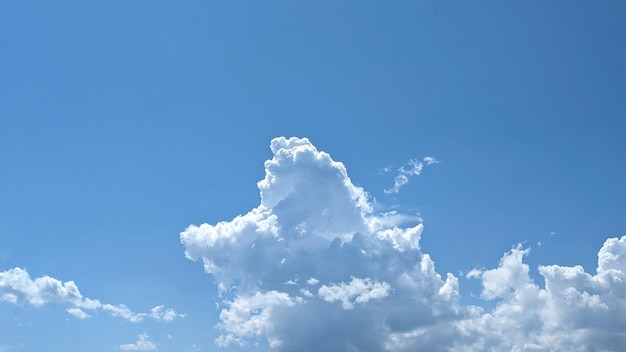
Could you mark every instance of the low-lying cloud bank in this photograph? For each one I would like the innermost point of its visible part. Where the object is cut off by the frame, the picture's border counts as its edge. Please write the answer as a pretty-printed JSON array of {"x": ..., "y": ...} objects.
[
  {"x": 17, "y": 287},
  {"x": 314, "y": 268}
]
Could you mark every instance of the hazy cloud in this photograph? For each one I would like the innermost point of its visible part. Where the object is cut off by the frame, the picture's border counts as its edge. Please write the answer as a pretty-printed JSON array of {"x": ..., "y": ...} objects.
[
  {"x": 143, "y": 344},
  {"x": 167, "y": 315},
  {"x": 357, "y": 291},
  {"x": 575, "y": 311},
  {"x": 78, "y": 313},
  {"x": 412, "y": 168}
]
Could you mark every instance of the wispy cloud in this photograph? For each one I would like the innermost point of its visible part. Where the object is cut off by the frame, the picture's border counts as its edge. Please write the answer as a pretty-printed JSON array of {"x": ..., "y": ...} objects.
[
  {"x": 143, "y": 344},
  {"x": 16, "y": 286},
  {"x": 356, "y": 291},
  {"x": 411, "y": 168},
  {"x": 362, "y": 283}
]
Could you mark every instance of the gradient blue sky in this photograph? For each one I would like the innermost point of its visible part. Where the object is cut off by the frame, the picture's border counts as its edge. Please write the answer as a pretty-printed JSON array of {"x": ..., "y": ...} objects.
[{"x": 123, "y": 122}]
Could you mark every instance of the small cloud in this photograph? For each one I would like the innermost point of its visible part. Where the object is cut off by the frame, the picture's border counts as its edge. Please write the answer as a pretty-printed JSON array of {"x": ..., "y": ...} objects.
[
  {"x": 167, "y": 315},
  {"x": 552, "y": 233},
  {"x": 143, "y": 344},
  {"x": 386, "y": 169},
  {"x": 429, "y": 160},
  {"x": 122, "y": 311},
  {"x": 312, "y": 281},
  {"x": 78, "y": 313},
  {"x": 474, "y": 273},
  {"x": 411, "y": 168}
]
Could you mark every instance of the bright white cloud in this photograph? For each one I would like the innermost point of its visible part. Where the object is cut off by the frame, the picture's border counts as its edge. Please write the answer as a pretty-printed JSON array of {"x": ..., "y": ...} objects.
[
  {"x": 167, "y": 315},
  {"x": 124, "y": 312},
  {"x": 318, "y": 232},
  {"x": 429, "y": 160},
  {"x": 412, "y": 168},
  {"x": 336, "y": 249},
  {"x": 78, "y": 313},
  {"x": 251, "y": 316},
  {"x": 312, "y": 281},
  {"x": 143, "y": 344},
  {"x": 17, "y": 287},
  {"x": 575, "y": 311},
  {"x": 357, "y": 291}
]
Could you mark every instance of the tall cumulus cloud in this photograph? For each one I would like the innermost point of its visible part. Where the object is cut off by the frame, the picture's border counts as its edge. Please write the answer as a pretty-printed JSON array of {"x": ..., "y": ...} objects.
[{"x": 314, "y": 267}]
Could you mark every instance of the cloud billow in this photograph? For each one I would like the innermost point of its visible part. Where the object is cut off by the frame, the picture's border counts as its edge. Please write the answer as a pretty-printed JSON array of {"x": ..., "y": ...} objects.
[
  {"x": 313, "y": 267},
  {"x": 17, "y": 287}
]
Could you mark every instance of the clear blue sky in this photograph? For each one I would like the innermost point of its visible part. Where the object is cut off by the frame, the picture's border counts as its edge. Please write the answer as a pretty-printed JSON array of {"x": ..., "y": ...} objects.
[{"x": 123, "y": 122}]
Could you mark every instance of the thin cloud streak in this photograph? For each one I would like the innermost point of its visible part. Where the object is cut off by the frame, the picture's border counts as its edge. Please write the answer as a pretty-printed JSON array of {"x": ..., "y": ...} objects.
[
  {"x": 413, "y": 167},
  {"x": 143, "y": 344}
]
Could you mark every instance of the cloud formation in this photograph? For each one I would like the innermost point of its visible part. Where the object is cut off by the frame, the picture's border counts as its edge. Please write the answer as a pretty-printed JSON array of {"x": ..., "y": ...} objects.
[
  {"x": 17, "y": 287},
  {"x": 313, "y": 268},
  {"x": 411, "y": 168},
  {"x": 143, "y": 344}
]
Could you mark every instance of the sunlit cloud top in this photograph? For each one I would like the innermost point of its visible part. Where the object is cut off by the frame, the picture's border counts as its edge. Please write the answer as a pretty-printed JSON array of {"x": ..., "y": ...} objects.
[{"x": 313, "y": 267}]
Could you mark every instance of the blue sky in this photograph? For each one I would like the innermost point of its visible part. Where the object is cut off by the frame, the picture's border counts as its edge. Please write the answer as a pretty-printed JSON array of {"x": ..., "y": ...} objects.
[{"x": 124, "y": 122}]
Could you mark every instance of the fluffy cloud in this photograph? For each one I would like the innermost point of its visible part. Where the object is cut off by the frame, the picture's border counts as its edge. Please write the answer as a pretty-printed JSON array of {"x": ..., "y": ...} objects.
[
  {"x": 359, "y": 290},
  {"x": 17, "y": 287},
  {"x": 143, "y": 344},
  {"x": 575, "y": 311},
  {"x": 313, "y": 267},
  {"x": 313, "y": 242},
  {"x": 167, "y": 315}
]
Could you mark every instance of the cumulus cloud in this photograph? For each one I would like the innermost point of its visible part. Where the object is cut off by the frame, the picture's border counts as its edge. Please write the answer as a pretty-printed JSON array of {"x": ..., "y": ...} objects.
[
  {"x": 574, "y": 311},
  {"x": 315, "y": 228},
  {"x": 167, "y": 315},
  {"x": 357, "y": 291},
  {"x": 412, "y": 168},
  {"x": 17, "y": 287},
  {"x": 313, "y": 267},
  {"x": 143, "y": 344}
]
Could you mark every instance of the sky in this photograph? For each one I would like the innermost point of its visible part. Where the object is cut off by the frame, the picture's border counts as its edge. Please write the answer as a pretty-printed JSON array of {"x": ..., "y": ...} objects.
[{"x": 313, "y": 175}]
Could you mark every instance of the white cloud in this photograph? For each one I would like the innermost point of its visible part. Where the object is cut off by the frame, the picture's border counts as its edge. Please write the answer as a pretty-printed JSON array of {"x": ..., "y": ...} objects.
[
  {"x": 251, "y": 316},
  {"x": 575, "y": 311},
  {"x": 167, "y": 315},
  {"x": 411, "y": 168},
  {"x": 429, "y": 160},
  {"x": 392, "y": 298},
  {"x": 474, "y": 273},
  {"x": 361, "y": 290},
  {"x": 78, "y": 313},
  {"x": 17, "y": 287},
  {"x": 122, "y": 311},
  {"x": 312, "y": 281},
  {"x": 143, "y": 344},
  {"x": 356, "y": 256}
]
